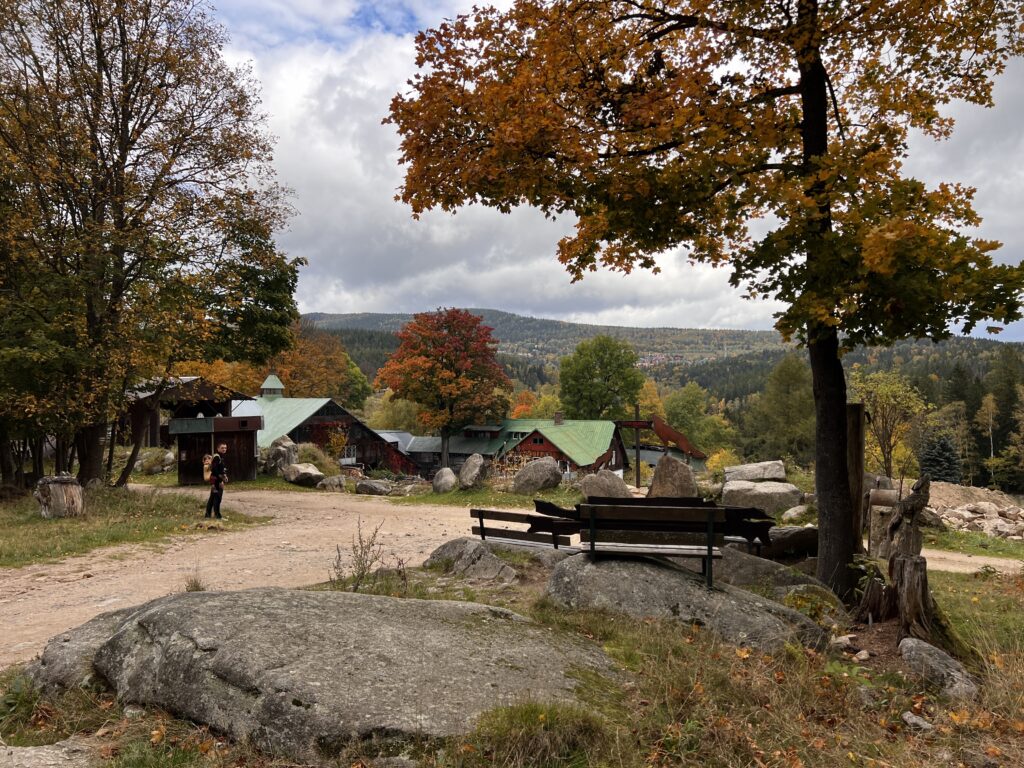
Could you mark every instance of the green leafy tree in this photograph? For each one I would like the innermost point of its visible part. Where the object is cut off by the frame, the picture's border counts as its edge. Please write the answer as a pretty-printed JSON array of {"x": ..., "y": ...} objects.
[
  {"x": 142, "y": 232},
  {"x": 445, "y": 362},
  {"x": 385, "y": 411},
  {"x": 893, "y": 404},
  {"x": 781, "y": 421},
  {"x": 600, "y": 380},
  {"x": 664, "y": 124},
  {"x": 688, "y": 409}
]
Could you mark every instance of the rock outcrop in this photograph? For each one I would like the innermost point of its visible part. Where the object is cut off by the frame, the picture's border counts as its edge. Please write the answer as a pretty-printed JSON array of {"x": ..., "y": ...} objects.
[
  {"x": 300, "y": 674},
  {"x": 770, "y": 496},
  {"x": 473, "y": 473},
  {"x": 306, "y": 475},
  {"x": 756, "y": 473},
  {"x": 283, "y": 453},
  {"x": 651, "y": 589},
  {"x": 538, "y": 475},
  {"x": 605, "y": 484},
  {"x": 470, "y": 559},
  {"x": 938, "y": 669},
  {"x": 444, "y": 480},
  {"x": 672, "y": 478},
  {"x": 374, "y": 487}
]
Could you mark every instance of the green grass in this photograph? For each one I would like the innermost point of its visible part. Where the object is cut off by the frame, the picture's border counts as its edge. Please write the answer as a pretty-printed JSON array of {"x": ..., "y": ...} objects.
[
  {"x": 972, "y": 543},
  {"x": 113, "y": 516},
  {"x": 986, "y": 607},
  {"x": 489, "y": 497},
  {"x": 261, "y": 483}
]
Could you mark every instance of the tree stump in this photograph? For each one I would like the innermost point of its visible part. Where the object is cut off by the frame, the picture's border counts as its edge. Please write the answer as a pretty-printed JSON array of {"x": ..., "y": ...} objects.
[{"x": 59, "y": 496}]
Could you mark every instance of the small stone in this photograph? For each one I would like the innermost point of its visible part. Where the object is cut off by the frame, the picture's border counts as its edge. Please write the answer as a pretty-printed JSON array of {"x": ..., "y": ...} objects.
[
  {"x": 916, "y": 723},
  {"x": 862, "y": 655}
]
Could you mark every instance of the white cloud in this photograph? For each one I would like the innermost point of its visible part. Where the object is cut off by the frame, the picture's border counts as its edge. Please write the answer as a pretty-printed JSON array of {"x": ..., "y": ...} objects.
[{"x": 329, "y": 70}]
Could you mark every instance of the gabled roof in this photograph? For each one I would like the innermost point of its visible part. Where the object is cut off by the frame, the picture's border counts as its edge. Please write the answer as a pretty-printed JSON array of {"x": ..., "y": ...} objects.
[
  {"x": 584, "y": 442},
  {"x": 581, "y": 440},
  {"x": 283, "y": 414},
  {"x": 396, "y": 436}
]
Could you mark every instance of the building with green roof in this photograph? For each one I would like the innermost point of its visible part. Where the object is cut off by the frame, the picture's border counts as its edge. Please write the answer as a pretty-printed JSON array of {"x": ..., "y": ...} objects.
[{"x": 576, "y": 444}]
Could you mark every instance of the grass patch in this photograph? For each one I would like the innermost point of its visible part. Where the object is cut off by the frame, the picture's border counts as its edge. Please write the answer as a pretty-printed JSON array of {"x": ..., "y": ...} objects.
[
  {"x": 261, "y": 483},
  {"x": 490, "y": 497},
  {"x": 986, "y": 607},
  {"x": 113, "y": 516},
  {"x": 972, "y": 543},
  {"x": 29, "y": 719}
]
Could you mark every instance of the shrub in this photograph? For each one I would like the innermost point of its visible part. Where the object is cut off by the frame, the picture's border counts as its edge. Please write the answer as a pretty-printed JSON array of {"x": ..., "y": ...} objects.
[{"x": 311, "y": 453}]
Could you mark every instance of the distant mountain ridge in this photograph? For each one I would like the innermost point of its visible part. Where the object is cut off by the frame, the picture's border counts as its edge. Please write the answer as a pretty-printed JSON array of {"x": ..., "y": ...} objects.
[{"x": 548, "y": 340}]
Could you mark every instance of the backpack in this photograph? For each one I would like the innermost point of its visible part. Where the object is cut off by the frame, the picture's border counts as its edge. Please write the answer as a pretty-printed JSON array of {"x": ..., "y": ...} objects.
[{"x": 207, "y": 474}]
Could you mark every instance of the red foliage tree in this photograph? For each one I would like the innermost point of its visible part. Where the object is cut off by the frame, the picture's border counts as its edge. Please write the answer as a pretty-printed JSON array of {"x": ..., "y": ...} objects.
[{"x": 445, "y": 363}]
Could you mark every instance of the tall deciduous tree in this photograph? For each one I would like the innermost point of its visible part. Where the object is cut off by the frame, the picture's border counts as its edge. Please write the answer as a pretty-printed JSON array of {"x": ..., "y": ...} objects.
[
  {"x": 892, "y": 404},
  {"x": 672, "y": 123},
  {"x": 600, "y": 380},
  {"x": 143, "y": 229},
  {"x": 446, "y": 363}
]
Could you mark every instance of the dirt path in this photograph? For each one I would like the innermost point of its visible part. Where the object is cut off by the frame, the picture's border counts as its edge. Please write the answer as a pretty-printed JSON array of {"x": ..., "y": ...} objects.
[{"x": 296, "y": 548}]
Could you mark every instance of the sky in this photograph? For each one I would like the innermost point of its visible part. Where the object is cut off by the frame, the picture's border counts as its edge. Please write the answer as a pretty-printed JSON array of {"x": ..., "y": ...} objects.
[{"x": 329, "y": 69}]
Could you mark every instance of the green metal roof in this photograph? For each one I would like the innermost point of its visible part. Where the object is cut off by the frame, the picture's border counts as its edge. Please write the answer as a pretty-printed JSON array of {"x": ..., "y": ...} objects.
[
  {"x": 283, "y": 414},
  {"x": 582, "y": 441},
  {"x": 272, "y": 382}
]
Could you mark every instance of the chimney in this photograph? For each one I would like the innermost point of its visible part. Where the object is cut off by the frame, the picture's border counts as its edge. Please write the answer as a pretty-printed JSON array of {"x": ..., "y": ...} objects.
[{"x": 559, "y": 418}]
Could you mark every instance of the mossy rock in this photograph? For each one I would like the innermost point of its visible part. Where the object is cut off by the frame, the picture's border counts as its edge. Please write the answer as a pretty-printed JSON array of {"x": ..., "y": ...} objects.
[{"x": 816, "y": 603}]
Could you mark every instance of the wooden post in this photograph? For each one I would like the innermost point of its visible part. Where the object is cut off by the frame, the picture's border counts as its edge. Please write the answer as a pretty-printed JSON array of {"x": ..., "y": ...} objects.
[
  {"x": 855, "y": 463},
  {"x": 636, "y": 443}
]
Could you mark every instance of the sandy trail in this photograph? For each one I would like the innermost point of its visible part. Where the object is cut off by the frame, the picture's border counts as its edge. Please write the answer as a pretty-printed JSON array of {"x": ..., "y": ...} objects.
[{"x": 296, "y": 548}]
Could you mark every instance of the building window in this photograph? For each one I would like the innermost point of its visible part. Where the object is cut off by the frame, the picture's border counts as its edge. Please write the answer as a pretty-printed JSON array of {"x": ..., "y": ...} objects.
[{"x": 538, "y": 441}]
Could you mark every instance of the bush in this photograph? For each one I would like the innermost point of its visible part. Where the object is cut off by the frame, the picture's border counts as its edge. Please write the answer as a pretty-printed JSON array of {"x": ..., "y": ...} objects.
[
  {"x": 311, "y": 453},
  {"x": 719, "y": 460}
]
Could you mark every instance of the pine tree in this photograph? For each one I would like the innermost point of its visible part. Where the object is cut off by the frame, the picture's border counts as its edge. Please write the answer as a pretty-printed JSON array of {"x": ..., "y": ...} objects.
[{"x": 938, "y": 458}]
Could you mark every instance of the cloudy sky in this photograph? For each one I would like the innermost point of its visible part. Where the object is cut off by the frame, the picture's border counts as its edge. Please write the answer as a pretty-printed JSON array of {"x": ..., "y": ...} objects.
[{"x": 329, "y": 69}]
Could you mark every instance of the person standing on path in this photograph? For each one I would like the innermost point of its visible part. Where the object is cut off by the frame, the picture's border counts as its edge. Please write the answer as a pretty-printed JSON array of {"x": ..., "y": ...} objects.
[{"x": 218, "y": 476}]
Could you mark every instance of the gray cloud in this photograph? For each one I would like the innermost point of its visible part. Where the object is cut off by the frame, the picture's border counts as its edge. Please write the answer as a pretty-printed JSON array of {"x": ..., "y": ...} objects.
[{"x": 329, "y": 70}]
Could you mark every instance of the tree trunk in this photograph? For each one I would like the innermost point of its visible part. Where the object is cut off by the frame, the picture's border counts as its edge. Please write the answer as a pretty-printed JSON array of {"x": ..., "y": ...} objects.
[
  {"x": 60, "y": 497},
  {"x": 444, "y": 449},
  {"x": 139, "y": 422},
  {"x": 89, "y": 442},
  {"x": 836, "y": 546},
  {"x": 855, "y": 468},
  {"x": 7, "y": 473}
]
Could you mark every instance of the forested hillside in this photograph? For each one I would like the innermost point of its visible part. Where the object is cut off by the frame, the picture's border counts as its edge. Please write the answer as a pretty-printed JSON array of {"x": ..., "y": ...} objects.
[{"x": 549, "y": 340}]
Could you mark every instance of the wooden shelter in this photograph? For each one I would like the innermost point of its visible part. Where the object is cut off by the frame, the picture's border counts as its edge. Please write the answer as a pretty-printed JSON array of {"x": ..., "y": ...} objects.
[{"x": 203, "y": 415}]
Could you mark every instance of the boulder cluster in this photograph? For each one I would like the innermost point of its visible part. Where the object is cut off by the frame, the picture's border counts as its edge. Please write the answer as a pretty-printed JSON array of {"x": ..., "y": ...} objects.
[
  {"x": 984, "y": 517},
  {"x": 762, "y": 485}
]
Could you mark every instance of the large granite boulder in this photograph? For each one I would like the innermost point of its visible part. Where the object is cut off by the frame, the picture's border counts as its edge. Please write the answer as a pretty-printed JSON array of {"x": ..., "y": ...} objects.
[
  {"x": 647, "y": 588},
  {"x": 300, "y": 674},
  {"x": 536, "y": 476},
  {"x": 306, "y": 475},
  {"x": 673, "y": 479},
  {"x": 444, "y": 480},
  {"x": 938, "y": 669},
  {"x": 283, "y": 453},
  {"x": 470, "y": 559},
  {"x": 606, "y": 484},
  {"x": 334, "y": 483},
  {"x": 770, "y": 496},
  {"x": 790, "y": 542},
  {"x": 370, "y": 487},
  {"x": 741, "y": 569},
  {"x": 473, "y": 472},
  {"x": 759, "y": 472}
]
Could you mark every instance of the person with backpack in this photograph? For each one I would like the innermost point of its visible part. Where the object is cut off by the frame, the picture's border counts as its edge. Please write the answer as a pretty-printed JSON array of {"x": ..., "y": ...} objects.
[{"x": 218, "y": 477}]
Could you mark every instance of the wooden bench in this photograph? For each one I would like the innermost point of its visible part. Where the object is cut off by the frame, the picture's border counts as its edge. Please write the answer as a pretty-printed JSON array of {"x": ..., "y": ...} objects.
[
  {"x": 543, "y": 531},
  {"x": 654, "y": 530}
]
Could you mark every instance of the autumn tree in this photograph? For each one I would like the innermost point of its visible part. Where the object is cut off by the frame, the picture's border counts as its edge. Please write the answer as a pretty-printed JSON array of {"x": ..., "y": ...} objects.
[
  {"x": 665, "y": 124},
  {"x": 524, "y": 402},
  {"x": 893, "y": 404},
  {"x": 385, "y": 411},
  {"x": 985, "y": 420},
  {"x": 445, "y": 362},
  {"x": 142, "y": 230},
  {"x": 600, "y": 380}
]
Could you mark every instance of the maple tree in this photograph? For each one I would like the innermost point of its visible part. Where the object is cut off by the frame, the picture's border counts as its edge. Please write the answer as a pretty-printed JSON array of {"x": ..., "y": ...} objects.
[
  {"x": 445, "y": 362},
  {"x": 141, "y": 231},
  {"x": 663, "y": 124}
]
